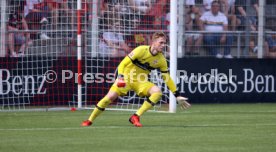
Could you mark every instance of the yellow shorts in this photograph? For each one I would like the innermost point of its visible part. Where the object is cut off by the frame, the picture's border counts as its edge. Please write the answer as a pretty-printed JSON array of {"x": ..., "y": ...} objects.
[{"x": 140, "y": 88}]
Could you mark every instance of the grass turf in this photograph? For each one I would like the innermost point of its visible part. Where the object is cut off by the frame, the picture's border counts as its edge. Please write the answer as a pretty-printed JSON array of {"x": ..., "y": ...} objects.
[{"x": 203, "y": 128}]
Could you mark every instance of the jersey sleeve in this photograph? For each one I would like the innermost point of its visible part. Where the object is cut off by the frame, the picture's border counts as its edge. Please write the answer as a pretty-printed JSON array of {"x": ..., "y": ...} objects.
[
  {"x": 163, "y": 65},
  {"x": 169, "y": 82},
  {"x": 126, "y": 61},
  {"x": 166, "y": 76}
]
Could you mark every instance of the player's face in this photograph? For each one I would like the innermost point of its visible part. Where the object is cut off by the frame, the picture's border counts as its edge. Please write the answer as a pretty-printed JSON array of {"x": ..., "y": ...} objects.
[{"x": 159, "y": 44}]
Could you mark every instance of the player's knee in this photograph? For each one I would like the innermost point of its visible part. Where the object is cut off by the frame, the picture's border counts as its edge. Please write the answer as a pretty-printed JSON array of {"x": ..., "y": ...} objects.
[
  {"x": 112, "y": 95},
  {"x": 155, "y": 97},
  {"x": 154, "y": 89}
]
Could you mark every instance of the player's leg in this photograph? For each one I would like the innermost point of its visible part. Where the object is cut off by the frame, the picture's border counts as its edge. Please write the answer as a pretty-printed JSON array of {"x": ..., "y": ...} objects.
[
  {"x": 113, "y": 93},
  {"x": 102, "y": 104},
  {"x": 153, "y": 93},
  {"x": 100, "y": 107}
]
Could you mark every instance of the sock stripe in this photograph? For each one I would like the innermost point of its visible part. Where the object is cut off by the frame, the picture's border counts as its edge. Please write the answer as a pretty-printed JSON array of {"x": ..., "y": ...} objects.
[
  {"x": 150, "y": 102},
  {"x": 102, "y": 109}
]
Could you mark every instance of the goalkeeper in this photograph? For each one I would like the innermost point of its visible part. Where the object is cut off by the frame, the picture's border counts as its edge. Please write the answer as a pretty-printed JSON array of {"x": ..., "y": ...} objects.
[{"x": 132, "y": 75}]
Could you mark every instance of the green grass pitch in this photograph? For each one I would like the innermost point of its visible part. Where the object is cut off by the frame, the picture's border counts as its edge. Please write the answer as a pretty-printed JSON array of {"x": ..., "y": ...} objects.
[{"x": 203, "y": 128}]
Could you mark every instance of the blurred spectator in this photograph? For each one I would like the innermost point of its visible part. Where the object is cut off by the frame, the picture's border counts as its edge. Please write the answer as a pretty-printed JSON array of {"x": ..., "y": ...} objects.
[
  {"x": 125, "y": 13},
  {"x": 193, "y": 43},
  {"x": 109, "y": 5},
  {"x": 192, "y": 14},
  {"x": 57, "y": 7},
  {"x": 159, "y": 11},
  {"x": 141, "y": 39},
  {"x": 193, "y": 40},
  {"x": 168, "y": 20},
  {"x": 54, "y": 4},
  {"x": 140, "y": 6},
  {"x": 270, "y": 46},
  {"x": 36, "y": 13},
  {"x": 206, "y": 6},
  {"x": 113, "y": 43},
  {"x": 103, "y": 7},
  {"x": 242, "y": 13},
  {"x": 228, "y": 8},
  {"x": 120, "y": 9},
  {"x": 142, "y": 9},
  {"x": 253, "y": 48},
  {"x": 214, "y": 22},
  {"x": 17, "y": 41},
  {"x": 18, "y": 5}
]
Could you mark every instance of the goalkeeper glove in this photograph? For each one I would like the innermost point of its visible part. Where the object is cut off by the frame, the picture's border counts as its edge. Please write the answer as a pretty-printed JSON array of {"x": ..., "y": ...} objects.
[
  {"x": 120, "y": 81},
  {"x": 182, "y": 101}
]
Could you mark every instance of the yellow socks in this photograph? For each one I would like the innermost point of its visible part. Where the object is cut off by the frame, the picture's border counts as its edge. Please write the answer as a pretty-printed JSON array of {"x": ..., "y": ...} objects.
[
  {"x": 100, "y": 107},
  {"x": 149, "y": 103}
]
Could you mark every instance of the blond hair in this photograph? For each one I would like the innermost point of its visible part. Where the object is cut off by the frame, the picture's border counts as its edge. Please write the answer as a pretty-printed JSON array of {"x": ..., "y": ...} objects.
[{"x": 157, "y": 35}]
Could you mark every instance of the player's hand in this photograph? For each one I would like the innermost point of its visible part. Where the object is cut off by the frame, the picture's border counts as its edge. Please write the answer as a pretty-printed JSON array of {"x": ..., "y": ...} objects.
[
  {"x": 182, "y": 102},
  {"x": 121, "y": 82}
]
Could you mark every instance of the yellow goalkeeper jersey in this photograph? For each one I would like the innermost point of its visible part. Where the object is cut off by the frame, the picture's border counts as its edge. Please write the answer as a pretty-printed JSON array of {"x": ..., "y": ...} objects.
[{"x": 139, "y": 63}]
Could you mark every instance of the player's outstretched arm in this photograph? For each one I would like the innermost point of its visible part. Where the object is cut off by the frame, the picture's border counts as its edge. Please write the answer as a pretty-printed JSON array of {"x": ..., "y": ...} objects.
[
  {"x": 123, "y": 64},
  {"x": 181, "y": 101}
]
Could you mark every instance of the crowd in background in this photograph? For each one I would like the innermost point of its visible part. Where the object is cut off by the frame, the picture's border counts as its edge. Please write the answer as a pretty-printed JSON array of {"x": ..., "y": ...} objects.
[
  {"x": 33, "y": 16},
  {"x": 125, "y": 24}
]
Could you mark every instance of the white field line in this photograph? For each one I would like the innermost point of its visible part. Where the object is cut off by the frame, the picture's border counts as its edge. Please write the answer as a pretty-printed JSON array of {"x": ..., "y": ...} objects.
[{"x": 120, "y": 127}]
